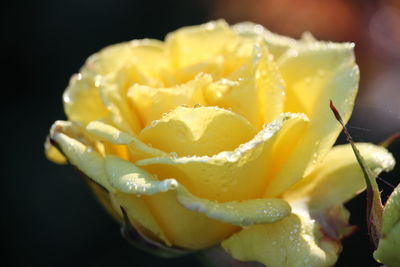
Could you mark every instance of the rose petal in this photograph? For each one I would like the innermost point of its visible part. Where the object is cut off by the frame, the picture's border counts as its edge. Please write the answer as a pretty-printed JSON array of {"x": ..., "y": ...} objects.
[
  {"x": 128, "y": 178},
  {"x": 192, "y": 230},
  {"x": 92, "y": 164},
  {"x": 243, "y": 213},
  {"x": 113, "y": 90},
  {"x": 53, "y": 154},
  {"x": 140, "y": 53},
  {"x": 314, "y": 74},
  {"x": 82, "y": 156},
  {"x": 140, "y": 215},
  {"x": 151, "y": 103},
  {"x": 108, "y": 133},
  {"x": 277, "y": 44},
  {"x": 82, "y": 101},
  {"x": 183, "y": 227},
  {"x": 198, "y": 131},
  {"x": 294, "y": 241},
  {"x": 187, "y": 47},
  {"x": 118, "y": 67},
  {"x": 339, "y": 177},
  {"x": 235, "y": 175},
  {"x": 256, "y": 91}
]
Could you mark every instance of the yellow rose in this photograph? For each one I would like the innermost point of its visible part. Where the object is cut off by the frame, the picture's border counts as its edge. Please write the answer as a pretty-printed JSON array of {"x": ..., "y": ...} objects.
[{"x": 221, "y": 135}]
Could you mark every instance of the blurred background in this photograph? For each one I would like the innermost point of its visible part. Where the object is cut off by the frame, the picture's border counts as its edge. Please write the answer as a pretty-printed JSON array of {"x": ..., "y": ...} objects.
[{"x": 49, "y": 217}]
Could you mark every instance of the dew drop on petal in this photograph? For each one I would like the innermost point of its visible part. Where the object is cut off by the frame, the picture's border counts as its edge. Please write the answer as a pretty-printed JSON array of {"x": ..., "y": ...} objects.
[{"x": 173, "y": 155}]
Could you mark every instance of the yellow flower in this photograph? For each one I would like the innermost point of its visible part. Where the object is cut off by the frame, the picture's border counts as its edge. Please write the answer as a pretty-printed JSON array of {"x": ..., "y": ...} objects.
[{"x": 221, "y": 135}]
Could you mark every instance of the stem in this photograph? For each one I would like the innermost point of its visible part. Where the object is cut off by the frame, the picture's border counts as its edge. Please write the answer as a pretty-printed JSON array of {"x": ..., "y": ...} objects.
[{"x": 374, "y": 203}]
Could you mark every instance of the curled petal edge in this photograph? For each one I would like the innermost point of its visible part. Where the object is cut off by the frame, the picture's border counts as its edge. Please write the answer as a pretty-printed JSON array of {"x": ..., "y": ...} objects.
[
  {"x": 113, "y": 135},
  {"x": 265, "y": 134},
  {"x": 128, "y": 178}
]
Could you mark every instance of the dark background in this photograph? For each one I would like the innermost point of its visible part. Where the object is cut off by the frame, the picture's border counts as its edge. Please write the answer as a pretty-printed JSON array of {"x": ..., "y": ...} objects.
[{"x": 48, "y": 216}]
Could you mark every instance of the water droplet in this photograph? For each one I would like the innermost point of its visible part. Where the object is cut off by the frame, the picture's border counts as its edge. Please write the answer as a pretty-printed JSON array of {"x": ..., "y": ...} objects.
[
  {"x": 154, "y": 123},
  {"x": 66, "y": 98},
  {"x": 258, "y": 29},
  {"x": 314, "y": 158},
  {"x": 173, "y": 155},
  {"x": 97, "y": 81},
  {"x": 293, "y": 53}
]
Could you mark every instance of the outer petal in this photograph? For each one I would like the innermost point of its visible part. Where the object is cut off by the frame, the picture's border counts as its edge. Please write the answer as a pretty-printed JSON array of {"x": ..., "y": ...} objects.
[
  {"x": 339, "y": 178},
  {"x": 81, "y": 155},
  {"x": 141, "y": 53},
  {"x": 240, "y": 174},
  {"x": 314, "y": 74},
  {"x": 82, "y": 101},
  {"x": 118, "y": 67},
  {"x": 183, "y": 227},
  {"x": 53, "y": 154},
  {"x": 295, "y": 241},
  {"x": 198, "y": 131},
  {"x": 388, "y": 248},
  {"x": 187, "y": 47},
  {"x": 244, "y": 213},
  {"x": 128, "y": 178},
  {"x": 277, "y": 44},
  {"x": 109, "y": 133},
  {"x": 98, "y": 169},
  {"x": 140, "y": 215}
]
